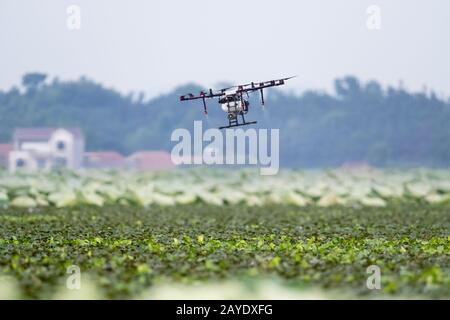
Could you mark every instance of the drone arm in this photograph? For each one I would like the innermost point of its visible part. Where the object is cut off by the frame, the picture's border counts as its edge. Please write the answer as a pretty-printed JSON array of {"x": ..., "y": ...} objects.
[
  {"x": 201, "y": 96},
  {"x": 262, "y": 85}
]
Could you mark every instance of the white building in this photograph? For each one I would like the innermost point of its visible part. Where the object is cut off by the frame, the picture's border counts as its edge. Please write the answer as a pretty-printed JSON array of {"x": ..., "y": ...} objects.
[{"x": 46, "y": 148}]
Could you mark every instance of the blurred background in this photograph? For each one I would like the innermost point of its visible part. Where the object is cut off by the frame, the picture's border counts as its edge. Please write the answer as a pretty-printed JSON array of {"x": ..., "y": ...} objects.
[
  {"x": 96, "y": 84},
  {"x": 372, "y": 87}
]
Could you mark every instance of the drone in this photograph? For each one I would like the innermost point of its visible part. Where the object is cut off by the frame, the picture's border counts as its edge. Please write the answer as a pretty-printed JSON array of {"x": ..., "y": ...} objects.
[{"x": 232, "y": 99}]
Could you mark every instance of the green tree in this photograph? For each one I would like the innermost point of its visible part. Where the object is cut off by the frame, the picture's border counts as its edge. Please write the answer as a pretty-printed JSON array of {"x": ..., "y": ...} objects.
[{"x": 32, "y": 81}]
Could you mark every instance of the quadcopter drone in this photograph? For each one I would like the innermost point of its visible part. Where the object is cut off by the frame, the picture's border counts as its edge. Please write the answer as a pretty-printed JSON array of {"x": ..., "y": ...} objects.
[{"x": 232, "y": 99}]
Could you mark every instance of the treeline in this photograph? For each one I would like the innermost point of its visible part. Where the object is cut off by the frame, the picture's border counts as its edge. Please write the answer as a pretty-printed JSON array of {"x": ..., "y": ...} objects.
[{"x": 361, "y": 122}]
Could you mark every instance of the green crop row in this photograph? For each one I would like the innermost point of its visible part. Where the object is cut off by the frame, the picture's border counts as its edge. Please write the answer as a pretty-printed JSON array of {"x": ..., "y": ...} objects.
[
  {"x": 369, "y": 188},
  {"x": 126, "y": 250}
]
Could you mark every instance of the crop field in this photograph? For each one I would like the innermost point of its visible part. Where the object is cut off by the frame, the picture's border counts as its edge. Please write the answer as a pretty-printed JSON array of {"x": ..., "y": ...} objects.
[
  {"x": 364, "y": 187},
  {"x": 188, "y": 233}
]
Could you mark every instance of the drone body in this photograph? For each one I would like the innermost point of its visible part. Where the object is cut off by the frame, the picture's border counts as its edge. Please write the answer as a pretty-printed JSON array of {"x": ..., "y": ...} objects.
[{"x": 233, "y": 101}]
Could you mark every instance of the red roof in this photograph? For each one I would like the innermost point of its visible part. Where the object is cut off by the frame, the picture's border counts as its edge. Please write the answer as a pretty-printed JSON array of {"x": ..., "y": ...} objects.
[
  {"x": 42, "y": 133},
  {"x": 103, "y": 159},
  {"x": 151, "y": 160},
  {"x": 5, "y": 149}
]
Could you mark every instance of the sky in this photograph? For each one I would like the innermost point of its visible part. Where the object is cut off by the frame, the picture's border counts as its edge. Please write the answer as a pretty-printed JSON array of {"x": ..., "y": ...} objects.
[{"x": 155, "y": 46}]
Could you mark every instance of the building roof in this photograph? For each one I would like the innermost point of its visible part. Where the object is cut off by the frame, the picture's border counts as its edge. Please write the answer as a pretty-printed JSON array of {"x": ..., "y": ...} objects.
[
  {"x": 5, "y": 149},
  {"x": 104, "y": 156},
  {"x": 103, "y": 159},
  {"x": 150, "y": 160},
  {"x": 42, "y": 133}
]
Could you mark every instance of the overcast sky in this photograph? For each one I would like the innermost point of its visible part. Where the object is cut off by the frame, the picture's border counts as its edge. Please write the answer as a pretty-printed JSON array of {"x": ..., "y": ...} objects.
[{"x": 154, "y": 46}]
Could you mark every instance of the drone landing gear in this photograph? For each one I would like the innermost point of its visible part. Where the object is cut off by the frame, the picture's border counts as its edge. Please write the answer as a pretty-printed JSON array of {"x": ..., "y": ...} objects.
[{"x": 233, "y": 121}]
